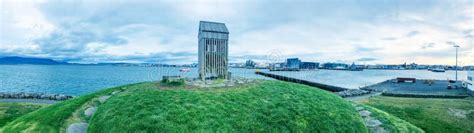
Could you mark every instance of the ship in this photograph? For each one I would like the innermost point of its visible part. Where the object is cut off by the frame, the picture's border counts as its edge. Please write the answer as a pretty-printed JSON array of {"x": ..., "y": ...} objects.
[{"x": 437, "y": 70}]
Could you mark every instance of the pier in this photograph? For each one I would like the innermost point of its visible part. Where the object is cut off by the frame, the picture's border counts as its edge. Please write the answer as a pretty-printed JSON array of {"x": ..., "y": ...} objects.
[
  {"x": 422, "y": 88},
  {"x": 301, "y": 81}
]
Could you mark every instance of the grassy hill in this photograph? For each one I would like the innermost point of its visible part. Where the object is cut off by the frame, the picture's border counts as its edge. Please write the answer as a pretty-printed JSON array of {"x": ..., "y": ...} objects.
[
  {"x": 11, "y": 111},
  {"x": 392, "y": 123},
  {"x": 52, "y": 118},
  {"x": 258, "y": 107},
  {"x": 435, "y": 115}
]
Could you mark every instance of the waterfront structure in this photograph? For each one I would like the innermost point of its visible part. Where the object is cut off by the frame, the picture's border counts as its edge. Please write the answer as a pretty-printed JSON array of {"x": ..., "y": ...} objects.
[
  {"x": 470, "y": 80},
  {"x": 293, "y": 63},
  {"x": 262, "y": 65},
  {"x": 250, "y": 64},
  {"x": 277, "y": 66},
  {"x": 335, "y": 66},
  {"x": 213, "y": 50},
  {"x": 355, "y": 67},
  {"x": 309, "y": 65}
]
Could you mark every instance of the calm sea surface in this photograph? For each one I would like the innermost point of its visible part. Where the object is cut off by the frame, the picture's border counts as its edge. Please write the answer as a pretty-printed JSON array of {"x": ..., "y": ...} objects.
[
  {"x": 79, "y": 80},
  {"x": 357, "y": 79}
]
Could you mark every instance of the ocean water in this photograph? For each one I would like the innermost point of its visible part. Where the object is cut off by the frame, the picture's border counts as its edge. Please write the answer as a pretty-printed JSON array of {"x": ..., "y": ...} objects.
[
  {"x": 80, "y": 80},
  {"x": 358, "y": 79}
]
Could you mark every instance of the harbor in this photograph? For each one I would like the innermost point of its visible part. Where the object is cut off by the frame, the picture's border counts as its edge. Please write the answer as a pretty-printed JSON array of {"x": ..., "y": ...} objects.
[
  {"x": 360, "y": 79},
  {"x": 343, "y": 92},
  {"x": 423, "y": 88},
  {"x": 399, "y": 87}
]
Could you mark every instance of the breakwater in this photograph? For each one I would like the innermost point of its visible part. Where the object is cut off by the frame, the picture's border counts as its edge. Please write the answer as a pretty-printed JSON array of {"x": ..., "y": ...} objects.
[
  {"x": 22, "y": 95},
  {"x": 301, "y": 81},
  {"x": 352, "y": 92}
]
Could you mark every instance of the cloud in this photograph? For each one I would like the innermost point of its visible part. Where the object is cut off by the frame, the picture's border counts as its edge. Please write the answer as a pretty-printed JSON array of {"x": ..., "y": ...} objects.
[
  {"x": 366, "y": 49},
  {"x": 165, "y": 30},
  {"x": 389, "y": 38},
  {"x": 428, "y": 45},
  {"x": 451, "y": 43},
  {"x": 366, "y": 59},
  {"x": 469, "y": 34},
  {"x": 413, "y": 33},
  {"x": 74, "y": 40}
]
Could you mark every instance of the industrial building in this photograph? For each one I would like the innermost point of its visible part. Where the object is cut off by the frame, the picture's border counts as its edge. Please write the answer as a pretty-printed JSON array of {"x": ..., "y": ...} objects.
[
  {"x": 309, "y": 65},
  {"x": 293, "y": 63}
]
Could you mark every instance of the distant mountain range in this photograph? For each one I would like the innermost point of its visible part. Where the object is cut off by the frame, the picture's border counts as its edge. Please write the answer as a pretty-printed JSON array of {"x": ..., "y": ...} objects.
[
  {"x": 28, "y": 60},
  {"x": 15, "y": 60}
]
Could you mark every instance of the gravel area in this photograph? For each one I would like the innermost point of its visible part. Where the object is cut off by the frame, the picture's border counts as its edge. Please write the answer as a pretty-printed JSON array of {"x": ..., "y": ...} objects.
[{"x": 421, "y": 86}]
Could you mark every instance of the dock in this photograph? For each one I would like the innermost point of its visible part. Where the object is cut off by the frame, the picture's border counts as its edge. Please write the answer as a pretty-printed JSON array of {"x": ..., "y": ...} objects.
[
  {"x": 301, "y": 81},
  {"x": 421, "y": 88}
]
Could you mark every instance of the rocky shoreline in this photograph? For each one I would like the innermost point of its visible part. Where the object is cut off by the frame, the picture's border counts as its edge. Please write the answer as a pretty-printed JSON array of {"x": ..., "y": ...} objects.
[
  {"x": 23, "y": 95},
  {"x": 352, "y": 92}
]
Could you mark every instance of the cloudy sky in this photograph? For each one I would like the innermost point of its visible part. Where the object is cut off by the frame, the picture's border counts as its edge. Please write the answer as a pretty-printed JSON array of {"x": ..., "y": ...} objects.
[{"x": 361, "y": 31}]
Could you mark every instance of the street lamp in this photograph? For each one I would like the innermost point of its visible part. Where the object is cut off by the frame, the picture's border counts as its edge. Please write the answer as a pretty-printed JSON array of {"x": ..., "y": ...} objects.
[{"x": 456, "y": 68}]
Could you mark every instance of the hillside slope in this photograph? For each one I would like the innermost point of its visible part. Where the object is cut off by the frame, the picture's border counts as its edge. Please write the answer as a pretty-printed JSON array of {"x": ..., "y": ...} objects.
[
  {"x": 436, "y": 115},
  {"x": 51, "y": 119},
  {"x": 259, "y": 107},
  {"x": 149, "y": 107}
]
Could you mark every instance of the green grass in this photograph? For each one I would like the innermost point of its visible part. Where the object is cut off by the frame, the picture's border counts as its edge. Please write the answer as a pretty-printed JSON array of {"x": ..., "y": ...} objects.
[
  {"x": 51, "y": 118},
  {"x": 261, "y": 107},
  {"x": 11, "y": 111},
  {"x": 427, "y": 113},
  {"x": 172, "y": 83},
  {"x": 392, "y": 123},
  {"x": 264, "y": 106}
]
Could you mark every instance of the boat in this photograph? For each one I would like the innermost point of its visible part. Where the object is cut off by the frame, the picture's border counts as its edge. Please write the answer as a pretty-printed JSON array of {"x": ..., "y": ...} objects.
[
  {"x": 339, "y": 68},
  {"x": 438, "y": 70},
  {"x": 185, "y": 70}
]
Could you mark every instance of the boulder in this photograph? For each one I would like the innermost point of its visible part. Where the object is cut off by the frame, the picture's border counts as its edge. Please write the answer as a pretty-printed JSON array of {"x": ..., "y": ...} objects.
[
  {"x": 359, "y": 108},
  {"x": 79, "y": 127},
  {"x": 115, "y": 92},
  {"x": 365, "y": 113},
  {"x": 373, "y": 123},
  {"x": 90, "y": 111},
  {"x": 44, "y": 96},
  {"x": 62, "y": 97},
  {"x": 102, "y": 99}
]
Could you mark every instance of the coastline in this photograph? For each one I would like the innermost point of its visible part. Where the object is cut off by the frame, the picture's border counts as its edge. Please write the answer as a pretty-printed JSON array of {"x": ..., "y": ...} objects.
[
  {"x": 32, "y": 97},
  {"x": 34, "y": 101}
]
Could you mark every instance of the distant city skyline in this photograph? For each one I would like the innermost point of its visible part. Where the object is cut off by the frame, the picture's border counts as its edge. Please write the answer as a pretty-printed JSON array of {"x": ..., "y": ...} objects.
[{"x": 145, "y": 31}]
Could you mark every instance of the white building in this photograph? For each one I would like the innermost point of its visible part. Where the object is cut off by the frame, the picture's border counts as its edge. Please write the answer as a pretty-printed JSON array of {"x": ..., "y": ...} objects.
[
  {"x": 213, "y": 50},
  {"x": 470, "y": 78}
]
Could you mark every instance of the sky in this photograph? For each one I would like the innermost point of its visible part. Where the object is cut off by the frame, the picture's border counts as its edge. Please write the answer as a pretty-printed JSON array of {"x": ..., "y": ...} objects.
[{"x": 154, "y": 31}]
